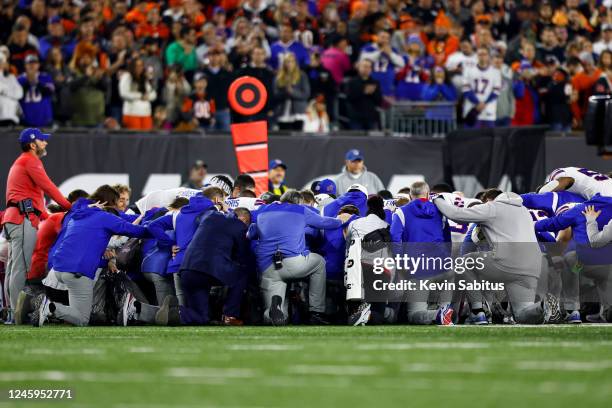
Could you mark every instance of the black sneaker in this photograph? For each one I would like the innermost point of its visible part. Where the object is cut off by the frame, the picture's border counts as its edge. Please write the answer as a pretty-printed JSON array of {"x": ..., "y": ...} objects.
[
  {"x": 23, "y": 308},
  {"x": 361, "y": 316},
  {"x": 318, "y": 319},
  {"x": 168, "y": 313},
  {"x": 276, "y": 313}
]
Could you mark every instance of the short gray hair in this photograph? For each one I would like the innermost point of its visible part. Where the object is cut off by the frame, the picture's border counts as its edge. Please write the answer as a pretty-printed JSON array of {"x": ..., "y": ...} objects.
[
  {"x": 292, "y": 196},
  {"x": 419, "y": 189}
]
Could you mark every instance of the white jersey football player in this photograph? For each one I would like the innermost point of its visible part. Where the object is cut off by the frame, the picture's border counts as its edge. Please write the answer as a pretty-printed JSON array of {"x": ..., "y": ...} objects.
[
  {"x": 481, "y": 87},
  {"x": 163, "y": 198},
  {"x": 578, "y": 180}
]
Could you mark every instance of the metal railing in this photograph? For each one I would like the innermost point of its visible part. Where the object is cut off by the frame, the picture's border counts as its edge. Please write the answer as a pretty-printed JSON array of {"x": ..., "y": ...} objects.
[{"x": 417, "y": 118}]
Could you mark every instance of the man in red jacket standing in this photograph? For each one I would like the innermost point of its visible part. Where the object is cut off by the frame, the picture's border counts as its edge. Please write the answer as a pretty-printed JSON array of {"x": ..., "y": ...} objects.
[{"x": 26, "y": 186}]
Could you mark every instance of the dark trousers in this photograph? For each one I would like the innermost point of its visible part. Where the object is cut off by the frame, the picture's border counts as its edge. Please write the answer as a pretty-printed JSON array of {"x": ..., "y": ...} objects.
[{"x": 196, "y": 290}]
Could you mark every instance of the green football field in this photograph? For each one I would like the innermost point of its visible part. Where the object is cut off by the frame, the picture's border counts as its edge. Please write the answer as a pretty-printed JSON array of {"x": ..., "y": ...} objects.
[{"x": 391, "y": 366}]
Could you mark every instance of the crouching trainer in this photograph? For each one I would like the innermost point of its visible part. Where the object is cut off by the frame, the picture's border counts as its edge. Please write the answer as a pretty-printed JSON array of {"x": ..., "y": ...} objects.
[
  {"x": 216, "y": 256},
  {"x": 282, "y": 255},
  {"x": 78, "y": 255}
]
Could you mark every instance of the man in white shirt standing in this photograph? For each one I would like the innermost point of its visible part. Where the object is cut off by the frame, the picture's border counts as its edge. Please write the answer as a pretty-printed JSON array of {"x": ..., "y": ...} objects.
[{"x": 481, "y": 87}]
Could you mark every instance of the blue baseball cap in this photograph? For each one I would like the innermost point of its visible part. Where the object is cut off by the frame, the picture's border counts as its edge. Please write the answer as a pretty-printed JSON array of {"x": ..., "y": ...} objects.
[
  {"x": 277, "y": 163},
  {"x": 353, "y": 155},
  {"x": 30, "y": 134},
  {"x": 325, "y": 186}
]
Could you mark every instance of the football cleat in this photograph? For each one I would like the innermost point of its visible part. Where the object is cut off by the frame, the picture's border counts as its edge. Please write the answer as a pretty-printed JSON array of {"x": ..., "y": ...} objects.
[
  {"x": 361, "y": 316},
  {"x": 168, "y": 313},
  {"x": 23, "y": 308},
  {"x": 477, "y": 319},
  {"x": 444, "y": 317},
  {"x": 277, "y": 317},
  {"x": 128, "y": 310},
  {"x": 552, "y": 310},
  {"x": 573, "y": 317}
]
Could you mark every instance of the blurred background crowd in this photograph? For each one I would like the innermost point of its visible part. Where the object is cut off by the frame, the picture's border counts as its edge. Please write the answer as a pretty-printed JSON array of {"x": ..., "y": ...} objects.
[{"x": 167, "y": 65}]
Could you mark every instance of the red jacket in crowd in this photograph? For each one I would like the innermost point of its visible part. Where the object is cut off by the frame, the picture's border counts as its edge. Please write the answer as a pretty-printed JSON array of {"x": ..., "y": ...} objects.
[{"x": 27, "y": 178}]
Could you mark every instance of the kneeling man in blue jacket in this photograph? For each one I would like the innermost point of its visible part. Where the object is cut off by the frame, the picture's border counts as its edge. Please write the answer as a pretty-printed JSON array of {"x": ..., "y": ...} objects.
[{"x": 216, "y": 256}]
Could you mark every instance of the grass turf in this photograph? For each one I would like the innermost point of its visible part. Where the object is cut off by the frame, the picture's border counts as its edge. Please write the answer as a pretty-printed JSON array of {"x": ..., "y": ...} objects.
[{"x": 407, "y": 366}]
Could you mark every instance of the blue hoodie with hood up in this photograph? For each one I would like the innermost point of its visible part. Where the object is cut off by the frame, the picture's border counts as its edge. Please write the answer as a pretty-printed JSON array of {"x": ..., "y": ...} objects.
[{"x": 86, "y": 237}]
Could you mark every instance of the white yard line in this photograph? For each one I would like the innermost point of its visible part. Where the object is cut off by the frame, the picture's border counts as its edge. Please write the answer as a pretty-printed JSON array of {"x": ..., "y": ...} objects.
[
  {"x": 211, "y": 372},
  {"x": 563, "y": 365},
  {"x": 424, "y": 346},
  {"x": 340, "y": 370},
  {"x": 265, "y": 347}
]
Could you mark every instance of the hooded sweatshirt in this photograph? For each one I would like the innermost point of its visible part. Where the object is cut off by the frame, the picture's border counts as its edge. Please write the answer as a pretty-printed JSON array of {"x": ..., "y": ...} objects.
[
  {"x": 576, "y": 220},
  {"x": 86, "y": 237},
  {"x": 184, "y": 227},
  {"x": 508, "y": 226},
  {"x": 356, "y": 198},
  {"x": 419, "y": 221},
  {"x": 367, "y": 179}
]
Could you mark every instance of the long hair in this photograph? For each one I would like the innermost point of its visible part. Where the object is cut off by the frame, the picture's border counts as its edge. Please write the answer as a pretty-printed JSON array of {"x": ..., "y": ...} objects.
[
  {"x": 139, "y": 79},
  {"x": 285, "y": 76}
]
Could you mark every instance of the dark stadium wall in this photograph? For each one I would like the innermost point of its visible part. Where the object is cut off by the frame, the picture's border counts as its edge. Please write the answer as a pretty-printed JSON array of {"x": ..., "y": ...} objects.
[
  {"x": 153, "y": 161},
  {"x": 516, "y": 160}
]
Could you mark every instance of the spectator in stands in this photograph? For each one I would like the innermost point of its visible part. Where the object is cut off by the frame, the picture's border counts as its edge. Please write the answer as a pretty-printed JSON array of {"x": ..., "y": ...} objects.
[
  {"x": 182, "y": 51},
  {"x": 38, "y": 91},
  {"x": 526, "y": 95},
  {"x": 118, "y": 59},
  {"x": 505, "y": 102},
  {"x": 603, "y": 85},
  {"x": 321, "y": 82},
  {"x": 582, "y": 86},
  {"x": 481, "y": 86},
  {"x": 291, "y": 90},
  {"x": 153, "y": 26},
  {"x": 88, "y": 87},
  {"x": 8, "y": 15},
  {"x": 137, "y": 92},
  {"x": 460, "y": 60},
  {"x": 335, "y": 59},
  {"x": 605, "y": 42},
  {"x": 557, "y": 101},
  {"x": 285, "y": 45},
  {"x": 415, "y": 74},
  {"x": 59, "y": 72},
  {"x": 439, "y": 87},
  {"x": 56, "y": 38},
  {"x": 10, "y": 94},
  {"x": 364, "y": 98},
  {"x": 219, "y": 81},
  {"x": 209, "y": 41},
  {"x": 443, "y": 44},
  {"x": 201, "y": 108},
  {"x": 317, "y": 119},
  {"x": 549, "y": 45},
  {"x": 605, "y": 60},
  {"x": 20, "y": 47},
  {"x": 258, "y": 68},
  {"x": 154, "y": 67},
  {"x": 176, "y": 89},
  {"x": 385, "y": 60}
]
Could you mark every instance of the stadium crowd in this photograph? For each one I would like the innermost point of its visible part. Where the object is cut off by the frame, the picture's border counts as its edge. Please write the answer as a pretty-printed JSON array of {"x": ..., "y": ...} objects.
[
  {"x": 167, "y": 64},
  {"x": 212, "y": 251}
]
